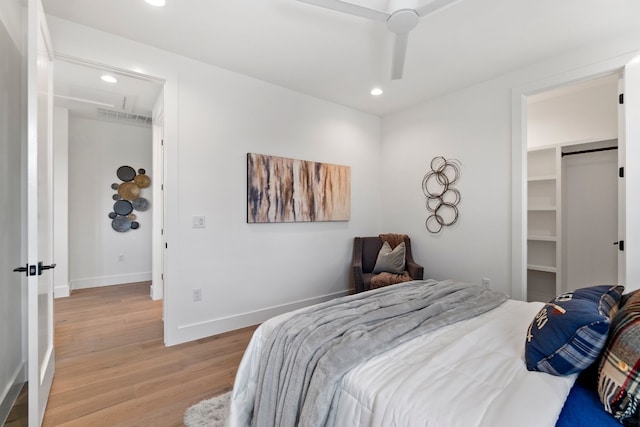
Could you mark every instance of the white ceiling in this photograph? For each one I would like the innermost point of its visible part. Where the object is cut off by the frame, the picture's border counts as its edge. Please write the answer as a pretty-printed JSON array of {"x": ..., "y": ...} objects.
[
  {"x": 79, "y": 88},
  {"x": 340, "y": 57}
]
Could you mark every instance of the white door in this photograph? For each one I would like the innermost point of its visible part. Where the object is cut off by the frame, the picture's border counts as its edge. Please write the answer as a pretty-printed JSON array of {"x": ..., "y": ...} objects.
[
  {"x": 39, "y": 218},
  {"x": 590, "y": 218},
  {"x": 629, "y": 273}
]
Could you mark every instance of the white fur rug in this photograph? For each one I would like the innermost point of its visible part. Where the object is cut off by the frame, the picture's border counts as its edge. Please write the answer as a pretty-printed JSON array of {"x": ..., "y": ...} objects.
[{"x": 208, "y": 413}]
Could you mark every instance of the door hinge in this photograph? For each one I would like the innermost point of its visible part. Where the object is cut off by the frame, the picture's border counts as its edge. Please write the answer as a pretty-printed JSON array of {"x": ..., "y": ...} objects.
[
  {"x": 162, "y": 276},
  {"x": 162, "y": 232},
  {"x": 162, "y": 142},
  {"x": 161, "y": 187},
  {"x": 166, "y": 246},
  {"x": 621, "y": 98},
  {"x": 621, "y": 172}
]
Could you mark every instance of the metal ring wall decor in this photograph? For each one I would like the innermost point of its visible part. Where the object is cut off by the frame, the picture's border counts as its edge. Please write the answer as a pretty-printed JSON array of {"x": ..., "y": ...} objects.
[{"x": 442, "y": 199}]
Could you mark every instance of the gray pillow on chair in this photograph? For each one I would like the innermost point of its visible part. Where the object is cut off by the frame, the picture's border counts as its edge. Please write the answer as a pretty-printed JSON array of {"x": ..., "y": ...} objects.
[{"x": 390, "y": 260}]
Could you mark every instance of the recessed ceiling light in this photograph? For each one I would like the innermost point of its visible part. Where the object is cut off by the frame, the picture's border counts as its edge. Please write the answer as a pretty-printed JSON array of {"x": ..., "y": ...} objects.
[
  {"x": 109, "y": 79},
  {"x": 157, "y": 3},
  {"x": 376, "y": 91}
]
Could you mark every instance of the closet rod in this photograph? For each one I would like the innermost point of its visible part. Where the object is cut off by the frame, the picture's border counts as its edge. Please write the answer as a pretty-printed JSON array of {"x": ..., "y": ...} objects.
[{"x": 589, "y": 151}]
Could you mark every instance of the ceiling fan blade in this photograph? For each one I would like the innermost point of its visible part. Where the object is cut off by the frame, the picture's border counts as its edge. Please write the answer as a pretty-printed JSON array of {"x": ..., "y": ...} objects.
[
  {"x": 351, "y": 9},
  {"x": 399, "y": 54},
  {"x": 434, "y": 6}
]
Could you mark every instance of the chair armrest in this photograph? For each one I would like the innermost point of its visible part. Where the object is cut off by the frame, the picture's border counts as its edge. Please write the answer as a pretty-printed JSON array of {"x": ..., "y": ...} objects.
[
  {"x": 416, "y": 271},
  {"x": 356, "y": 265}
]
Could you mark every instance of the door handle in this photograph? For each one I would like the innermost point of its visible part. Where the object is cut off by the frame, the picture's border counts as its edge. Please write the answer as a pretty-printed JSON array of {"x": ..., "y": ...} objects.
[
  {"x": 24, "y": 269},
  {"x": 620, "y": 245},
  {"x": 42, "y": 267},
  {"x": 29, "y": 270}
]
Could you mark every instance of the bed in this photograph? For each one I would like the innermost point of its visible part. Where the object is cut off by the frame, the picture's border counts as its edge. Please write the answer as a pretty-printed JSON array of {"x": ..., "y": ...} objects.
[{"x": 467, "y": 373}]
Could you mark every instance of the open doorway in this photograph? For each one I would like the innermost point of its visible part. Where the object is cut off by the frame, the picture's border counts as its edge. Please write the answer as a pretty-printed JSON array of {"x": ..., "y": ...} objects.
[
  {"x": 106, "y": 176},
  {"x": 572, "y": 187}
]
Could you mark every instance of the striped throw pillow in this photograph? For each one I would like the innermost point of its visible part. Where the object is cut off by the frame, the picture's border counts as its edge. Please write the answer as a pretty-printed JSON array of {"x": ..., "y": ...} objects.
[
  {"x": 619, "y": 374},
  {"x": 569, "y": 332}
]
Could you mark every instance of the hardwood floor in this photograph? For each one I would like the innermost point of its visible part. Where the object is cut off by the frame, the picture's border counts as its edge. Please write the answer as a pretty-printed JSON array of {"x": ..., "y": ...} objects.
[
  {"x": 18, "y": 417},
  {"x": 112, "y": 368}
]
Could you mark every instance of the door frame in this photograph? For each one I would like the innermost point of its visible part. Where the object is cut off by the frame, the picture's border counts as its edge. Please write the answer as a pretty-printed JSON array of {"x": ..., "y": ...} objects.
[
  {"x": 166, "y": 73},
  {"x": 157, "y": 268},
  {"x": 519, "y": 156},
  {"x": 157, "y": 238}
]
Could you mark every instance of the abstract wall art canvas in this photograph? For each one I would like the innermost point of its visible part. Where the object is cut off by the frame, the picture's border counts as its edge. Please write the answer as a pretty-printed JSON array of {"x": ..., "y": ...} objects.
[{"x": 289, "y": 190}]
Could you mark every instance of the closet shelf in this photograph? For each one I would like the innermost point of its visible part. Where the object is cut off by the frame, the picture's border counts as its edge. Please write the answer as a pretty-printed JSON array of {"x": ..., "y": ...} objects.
[
  {"x": 542, "y": 208},
  {"x": 542, "y": 178},
  {"x": 543, "y": 238},
  {"x": 546, "y": 268}
]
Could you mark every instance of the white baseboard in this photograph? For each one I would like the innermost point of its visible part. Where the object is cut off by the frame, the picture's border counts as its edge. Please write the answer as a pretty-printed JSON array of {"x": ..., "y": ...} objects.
[
  {"x": 61, "y": 291},
  {"x": 119, "y": 279},
  {"x": 156, "y": 293},
  {"x": 11, "y": 392},
  {"x": 212, "y": 327}
]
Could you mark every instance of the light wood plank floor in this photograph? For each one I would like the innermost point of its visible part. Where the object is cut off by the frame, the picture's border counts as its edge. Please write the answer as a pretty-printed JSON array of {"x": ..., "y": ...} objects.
[
  {"x": 112, "y": 367},
  {"x": 19, "y": 417}
]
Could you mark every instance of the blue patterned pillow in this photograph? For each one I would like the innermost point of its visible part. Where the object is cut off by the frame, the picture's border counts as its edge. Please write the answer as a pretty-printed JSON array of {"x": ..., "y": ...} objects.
[{"x": 569, "y": 332}]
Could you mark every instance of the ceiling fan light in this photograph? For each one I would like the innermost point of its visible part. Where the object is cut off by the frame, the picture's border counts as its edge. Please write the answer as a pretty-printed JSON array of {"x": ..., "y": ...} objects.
[
  {"x": 376, "y": 91},
  {"x": 157, "y": 3}
]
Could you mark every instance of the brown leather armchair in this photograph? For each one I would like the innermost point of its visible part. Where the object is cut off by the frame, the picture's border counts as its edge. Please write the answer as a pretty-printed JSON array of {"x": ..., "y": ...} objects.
[{"x": 365, "y": 253}]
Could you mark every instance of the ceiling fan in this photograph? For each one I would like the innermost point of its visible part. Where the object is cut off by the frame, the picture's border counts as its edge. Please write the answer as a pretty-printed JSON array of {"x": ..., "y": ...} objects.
[{"x": 400, "y": 22}]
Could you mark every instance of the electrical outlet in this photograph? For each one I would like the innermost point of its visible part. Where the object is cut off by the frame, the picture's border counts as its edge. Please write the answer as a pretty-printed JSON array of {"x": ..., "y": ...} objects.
[
  {"x": 199, "y": 221},
  {"x": 197, "y": 295},
  {"x": 486, "y": 282},
  {"x": 120, "y": 258}
]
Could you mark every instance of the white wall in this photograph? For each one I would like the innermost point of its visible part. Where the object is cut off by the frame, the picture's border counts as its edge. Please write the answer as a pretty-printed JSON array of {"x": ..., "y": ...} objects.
[
  {"x": 96, "y": 150},
  {"x": 473, "y": 125},
  {"x": 12, "y": 130},
  {"x": 213, "y": 117},
  {"x": 587, "y": 114}
]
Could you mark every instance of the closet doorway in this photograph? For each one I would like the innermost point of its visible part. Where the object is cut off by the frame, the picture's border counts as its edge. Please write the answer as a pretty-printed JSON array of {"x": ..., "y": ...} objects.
[{"x": 572, "y": 187}]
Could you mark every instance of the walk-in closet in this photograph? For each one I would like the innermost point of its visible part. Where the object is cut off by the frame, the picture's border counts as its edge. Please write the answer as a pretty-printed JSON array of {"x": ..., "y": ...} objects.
[{"x": 572, "y": 188}]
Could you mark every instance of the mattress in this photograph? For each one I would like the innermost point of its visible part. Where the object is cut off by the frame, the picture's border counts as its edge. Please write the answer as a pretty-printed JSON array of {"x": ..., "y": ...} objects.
[{"x": 471, "y": 373}]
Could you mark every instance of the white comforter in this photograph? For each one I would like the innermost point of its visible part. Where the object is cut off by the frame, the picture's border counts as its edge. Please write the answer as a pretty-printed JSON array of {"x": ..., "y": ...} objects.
[{"x": 471, "y": 373}]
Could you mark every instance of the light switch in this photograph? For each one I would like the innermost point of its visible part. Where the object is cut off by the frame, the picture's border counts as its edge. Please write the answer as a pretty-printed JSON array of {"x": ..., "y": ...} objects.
[{"x": 199, "y": 221}]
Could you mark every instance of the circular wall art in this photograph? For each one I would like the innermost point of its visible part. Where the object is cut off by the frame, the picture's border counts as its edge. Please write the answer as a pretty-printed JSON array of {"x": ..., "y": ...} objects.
[
  {"x": 128, "y": 197},
  {"x": 129, "y": 190},
  {"x": 126, "y": 173},
  {"x": 122, "y": 207},
  {"x": 141, "y": 204},
  {"x": 121, "y": 224},
  {"x": 442, "y": 198}
]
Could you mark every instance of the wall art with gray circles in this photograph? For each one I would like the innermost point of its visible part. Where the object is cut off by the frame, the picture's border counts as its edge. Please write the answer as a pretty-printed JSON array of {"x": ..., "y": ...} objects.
[{"x": 128, "y": 198}]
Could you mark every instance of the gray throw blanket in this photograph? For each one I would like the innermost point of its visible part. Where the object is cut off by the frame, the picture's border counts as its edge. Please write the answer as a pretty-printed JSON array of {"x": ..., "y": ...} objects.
[{"x": 307, "y": 355}]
